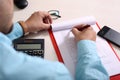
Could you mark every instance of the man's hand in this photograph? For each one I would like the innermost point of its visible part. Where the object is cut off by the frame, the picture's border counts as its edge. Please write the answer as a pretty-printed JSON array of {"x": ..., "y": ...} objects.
[
  {"x": 38, "y": 21},
  {"x": 86, "y": 34}
]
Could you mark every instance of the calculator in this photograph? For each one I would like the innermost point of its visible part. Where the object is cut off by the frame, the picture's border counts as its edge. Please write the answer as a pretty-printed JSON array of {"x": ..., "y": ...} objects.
[{"x": 33, "y": 47}]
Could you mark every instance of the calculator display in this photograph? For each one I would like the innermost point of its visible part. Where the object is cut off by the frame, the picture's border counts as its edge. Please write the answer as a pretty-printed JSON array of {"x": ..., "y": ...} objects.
[{"x": 28, "y": 46}]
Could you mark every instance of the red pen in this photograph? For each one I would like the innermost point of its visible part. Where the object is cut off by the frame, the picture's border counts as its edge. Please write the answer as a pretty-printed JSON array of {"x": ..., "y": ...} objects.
[{"x": 83, "y": 27}]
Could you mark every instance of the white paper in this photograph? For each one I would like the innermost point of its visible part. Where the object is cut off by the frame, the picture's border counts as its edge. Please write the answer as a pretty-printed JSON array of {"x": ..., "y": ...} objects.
[
  {"x": 68, "y": 48},
  {"x": 90, "y": 20}
]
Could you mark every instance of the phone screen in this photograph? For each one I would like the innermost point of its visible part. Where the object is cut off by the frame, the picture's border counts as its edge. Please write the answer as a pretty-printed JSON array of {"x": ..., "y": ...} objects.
[{"x": 110, "y": 35}]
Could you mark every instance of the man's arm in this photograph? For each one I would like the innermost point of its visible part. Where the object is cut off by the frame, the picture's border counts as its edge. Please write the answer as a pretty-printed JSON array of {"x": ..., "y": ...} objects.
[
  {"x": 19, "y": 66},
  {"x": 89, "y": 66},
  {"x": 36, "y": 22}
]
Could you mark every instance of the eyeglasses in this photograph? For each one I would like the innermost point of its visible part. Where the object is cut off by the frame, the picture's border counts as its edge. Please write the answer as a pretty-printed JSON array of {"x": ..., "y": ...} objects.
[{"x": 54, "y": 14}]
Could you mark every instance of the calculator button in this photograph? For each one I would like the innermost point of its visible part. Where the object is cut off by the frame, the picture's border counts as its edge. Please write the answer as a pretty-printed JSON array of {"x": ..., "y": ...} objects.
[
  {"x": 30, "y": 51},
  {"x": 26, "y": 51},
  {"x": 34, "y": 51}
]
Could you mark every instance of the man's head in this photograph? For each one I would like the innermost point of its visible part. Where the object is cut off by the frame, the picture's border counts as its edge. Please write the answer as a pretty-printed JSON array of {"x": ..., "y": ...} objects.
[{"x": 6, "y": 15}]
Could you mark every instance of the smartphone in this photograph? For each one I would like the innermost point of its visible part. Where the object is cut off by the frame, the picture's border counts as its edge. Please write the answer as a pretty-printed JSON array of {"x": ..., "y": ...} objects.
[{"x": 110, "y": 35}]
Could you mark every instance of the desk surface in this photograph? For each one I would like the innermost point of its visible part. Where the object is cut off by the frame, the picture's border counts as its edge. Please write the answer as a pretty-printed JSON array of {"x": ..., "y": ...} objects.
[{"x": 106, "y": 12}]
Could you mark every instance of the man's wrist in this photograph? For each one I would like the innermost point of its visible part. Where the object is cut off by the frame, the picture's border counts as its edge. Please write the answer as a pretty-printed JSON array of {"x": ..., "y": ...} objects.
[{"x": 24, "y": 27}]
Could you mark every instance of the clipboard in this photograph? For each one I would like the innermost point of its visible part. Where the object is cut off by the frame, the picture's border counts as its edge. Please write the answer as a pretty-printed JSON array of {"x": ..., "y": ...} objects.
[{"x": 60, "y": 58}]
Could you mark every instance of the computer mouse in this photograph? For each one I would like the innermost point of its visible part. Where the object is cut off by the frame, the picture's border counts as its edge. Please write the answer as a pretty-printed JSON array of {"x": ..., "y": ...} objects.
[{"x": 21, "y": 4}]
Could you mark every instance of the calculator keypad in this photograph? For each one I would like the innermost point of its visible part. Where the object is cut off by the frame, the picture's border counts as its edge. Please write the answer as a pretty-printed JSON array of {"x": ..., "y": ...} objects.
[{"x": 35, "y": 52}]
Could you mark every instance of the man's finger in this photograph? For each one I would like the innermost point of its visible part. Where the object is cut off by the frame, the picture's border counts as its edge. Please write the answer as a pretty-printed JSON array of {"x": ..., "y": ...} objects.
[
  {"x": 50, "y": 19},
  {"x": 75, "y": 31},
  {"x": 46, "y": 26}
]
